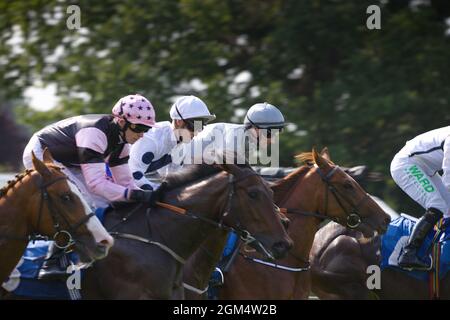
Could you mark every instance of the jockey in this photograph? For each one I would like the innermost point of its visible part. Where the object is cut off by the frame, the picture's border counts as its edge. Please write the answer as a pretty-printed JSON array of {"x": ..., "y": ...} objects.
[
  {"x": 82, "y": 145},
  {"x": 415, "y": 169},
  {"x": 233, "y": 142},
  {"x": 155, "y": 150},
  {"x": 229, "y": 142}
]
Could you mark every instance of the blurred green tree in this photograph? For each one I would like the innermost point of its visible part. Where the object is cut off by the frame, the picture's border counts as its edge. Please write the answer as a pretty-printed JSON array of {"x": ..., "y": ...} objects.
[{"x": 360, "y": 92}]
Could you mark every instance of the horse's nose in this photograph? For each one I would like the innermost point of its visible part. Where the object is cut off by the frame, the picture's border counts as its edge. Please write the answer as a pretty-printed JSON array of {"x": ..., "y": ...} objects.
[
  {"x": 101, "y": 251},
  {"x": 280, "y": 249},
  {"x": 106, "y": 242}
]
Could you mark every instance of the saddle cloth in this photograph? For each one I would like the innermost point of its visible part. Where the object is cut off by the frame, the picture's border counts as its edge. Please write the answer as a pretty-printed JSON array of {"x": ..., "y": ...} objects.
[
  {"x": 24, "y": 281},
  {"x": 396, "y": 237}
]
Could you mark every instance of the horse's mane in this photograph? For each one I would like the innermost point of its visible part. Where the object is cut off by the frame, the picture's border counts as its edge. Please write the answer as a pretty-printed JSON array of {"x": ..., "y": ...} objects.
[
  {"x": 282, "y": 187},
  {"x": 12, "y": 183},
  {"x": 189, "y": 174},
  {"x": 19, "y": 177},
  {"x": 308, "y": 158}
]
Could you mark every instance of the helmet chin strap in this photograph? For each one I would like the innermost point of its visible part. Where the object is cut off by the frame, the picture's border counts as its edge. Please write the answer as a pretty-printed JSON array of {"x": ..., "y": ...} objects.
[{"x": 123, "y": 130}]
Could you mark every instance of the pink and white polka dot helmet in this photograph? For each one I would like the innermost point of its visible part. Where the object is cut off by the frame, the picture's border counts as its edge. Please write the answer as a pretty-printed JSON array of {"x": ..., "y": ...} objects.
[{"x": 135, "y": 109}]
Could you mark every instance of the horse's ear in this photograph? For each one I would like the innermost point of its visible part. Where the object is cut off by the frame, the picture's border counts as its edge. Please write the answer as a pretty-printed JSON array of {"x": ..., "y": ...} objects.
[
  {"x": 325, "y": 153},
  {"x": 47, "y": 156},
  {"x": 321, "y": 162},
  {"x": 40, "y": 167}
]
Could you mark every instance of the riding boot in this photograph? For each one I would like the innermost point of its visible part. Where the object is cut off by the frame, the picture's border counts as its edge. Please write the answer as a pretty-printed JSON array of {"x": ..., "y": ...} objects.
[
  {"x": 409, "y": 259},
  {"x": 53, "y": 268}
]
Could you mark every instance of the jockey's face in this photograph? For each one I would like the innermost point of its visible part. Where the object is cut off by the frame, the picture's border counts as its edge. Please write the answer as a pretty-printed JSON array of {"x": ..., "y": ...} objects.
[
  {"x": 266, "y": 136},
  {"x": 131, "y": 136},
  {"x": 182, "y": 131}
]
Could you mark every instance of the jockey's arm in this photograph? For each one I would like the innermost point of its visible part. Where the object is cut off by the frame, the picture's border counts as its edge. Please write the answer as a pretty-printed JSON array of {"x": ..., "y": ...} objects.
[
  {"x": 142, "y": 157},
  {"x": 446, "y": 164},
  {"x": 120, "y": 169},
  {"x": 91, "y": 144}
]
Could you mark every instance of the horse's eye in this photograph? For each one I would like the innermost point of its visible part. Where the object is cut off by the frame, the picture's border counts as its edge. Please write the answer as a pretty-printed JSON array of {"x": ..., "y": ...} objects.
[
  {"x": 66, "y": 197},
  {"x": 253, "y": 194}
]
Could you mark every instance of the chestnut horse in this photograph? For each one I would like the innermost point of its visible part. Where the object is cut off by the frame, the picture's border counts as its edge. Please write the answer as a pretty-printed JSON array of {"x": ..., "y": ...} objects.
[
  {"x": 312, "y": 193},
  {"x": 339, "y": 261},
  {"x": 43, "y": 202},
  {"x": 152, "y": 245}
]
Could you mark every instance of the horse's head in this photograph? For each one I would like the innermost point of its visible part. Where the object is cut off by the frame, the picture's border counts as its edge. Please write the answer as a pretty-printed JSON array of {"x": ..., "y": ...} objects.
[
  {"x": 250, "y": 211},
  {"x": 59, "y": 211},
  {"x": 341, "y": 198}
]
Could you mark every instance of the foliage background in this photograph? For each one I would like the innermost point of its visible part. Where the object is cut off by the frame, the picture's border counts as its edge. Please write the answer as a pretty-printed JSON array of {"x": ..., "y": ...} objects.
[{"x": 360, "y": 92}]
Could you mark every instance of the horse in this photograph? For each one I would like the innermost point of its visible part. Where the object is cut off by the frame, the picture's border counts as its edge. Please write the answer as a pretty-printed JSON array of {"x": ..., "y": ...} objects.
[
  {"x": 43, "y": 203},
  {"x": 340, "y": 260},
  {"x": 314, "y": 192},
  {"x": 153, "y": 244}
]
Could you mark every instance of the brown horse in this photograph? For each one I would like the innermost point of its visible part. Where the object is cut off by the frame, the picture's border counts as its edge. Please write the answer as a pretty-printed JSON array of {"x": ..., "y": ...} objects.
[
  {"x": 339, "y": 261},
  {"x": 309, "y": 195},
  {"x": 43, "y": 202},
  {"x": 153, "y": 244}
]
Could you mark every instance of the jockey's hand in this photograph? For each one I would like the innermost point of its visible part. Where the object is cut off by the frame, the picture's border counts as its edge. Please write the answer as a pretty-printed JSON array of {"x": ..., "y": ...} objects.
[{"x": 144, "y": 196}]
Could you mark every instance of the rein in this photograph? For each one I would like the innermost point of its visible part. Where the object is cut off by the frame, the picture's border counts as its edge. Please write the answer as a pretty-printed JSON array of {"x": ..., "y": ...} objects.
[
  {"x": 276, "y": 265},
  {"x": 244, "y": 234},
  {"x": 353, "y": 218}
]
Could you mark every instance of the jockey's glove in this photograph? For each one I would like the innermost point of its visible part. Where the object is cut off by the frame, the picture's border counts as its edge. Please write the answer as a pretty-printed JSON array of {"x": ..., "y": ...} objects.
[{"x": 144, "y": 196}]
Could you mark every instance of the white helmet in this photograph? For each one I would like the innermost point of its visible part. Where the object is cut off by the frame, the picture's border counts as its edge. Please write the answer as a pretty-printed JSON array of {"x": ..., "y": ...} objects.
[
  {"x": 190, "y": 107},
  {"x": 264, "y": 116}
]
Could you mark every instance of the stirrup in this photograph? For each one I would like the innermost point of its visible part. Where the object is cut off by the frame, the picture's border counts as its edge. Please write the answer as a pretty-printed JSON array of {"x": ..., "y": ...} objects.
[
  {"x": 52, "y": 274},
  {"x": 52, "y": 269},
  {"x": 217, "y": 278}
]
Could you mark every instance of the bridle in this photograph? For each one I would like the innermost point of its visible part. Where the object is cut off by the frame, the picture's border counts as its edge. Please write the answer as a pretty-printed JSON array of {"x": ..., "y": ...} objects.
[
  {"x": 245, "y": 235},
  {"x": 55, "y": 216},
  {"x": 353, "y": 219}
]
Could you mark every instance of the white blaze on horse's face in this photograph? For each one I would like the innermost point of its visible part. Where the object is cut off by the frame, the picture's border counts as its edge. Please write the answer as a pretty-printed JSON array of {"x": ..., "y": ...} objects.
[{"x": 94, "y": 225}]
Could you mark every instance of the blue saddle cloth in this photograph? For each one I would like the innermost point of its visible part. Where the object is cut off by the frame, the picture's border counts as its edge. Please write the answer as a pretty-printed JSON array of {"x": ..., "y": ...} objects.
[
  {"x": 24, "y": 282},
  {"x": 396, "y": 237}
]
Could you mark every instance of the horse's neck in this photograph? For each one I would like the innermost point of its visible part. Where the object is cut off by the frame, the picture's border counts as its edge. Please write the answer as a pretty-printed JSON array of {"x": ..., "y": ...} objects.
[
  {"x": 185, "y": 234},
  {"x": 13, "y": 223},
  {"x": 10, "y": 253},
  {"x": 202, "y": 263},
  {"x": 14, "y": 213},
  {"x": 302, "y": 229}
]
